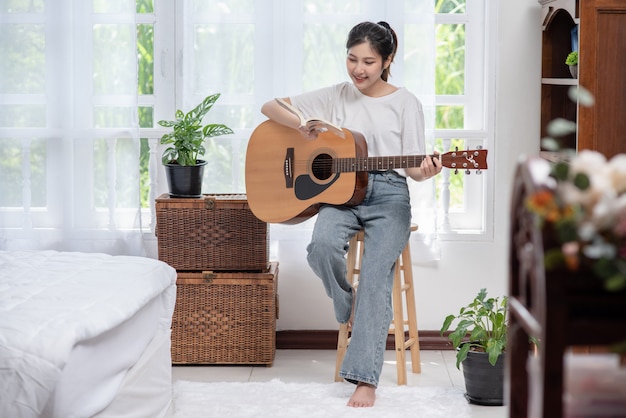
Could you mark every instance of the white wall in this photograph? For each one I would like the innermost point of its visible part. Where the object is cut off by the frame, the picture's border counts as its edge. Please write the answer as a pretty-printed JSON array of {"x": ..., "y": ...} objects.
[
  {"x": 465, "y": 267},
  {"x": 468, "y": 266}
]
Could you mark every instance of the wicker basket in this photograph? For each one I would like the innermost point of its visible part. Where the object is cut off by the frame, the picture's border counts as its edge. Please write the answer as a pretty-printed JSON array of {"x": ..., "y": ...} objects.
[
  {"x": 215, "y": 232},
  {"x": 225, "y": 318}
]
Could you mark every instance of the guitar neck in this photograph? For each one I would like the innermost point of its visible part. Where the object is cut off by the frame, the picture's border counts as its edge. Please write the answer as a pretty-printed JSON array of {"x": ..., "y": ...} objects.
[{"x": 346, "y": 165}]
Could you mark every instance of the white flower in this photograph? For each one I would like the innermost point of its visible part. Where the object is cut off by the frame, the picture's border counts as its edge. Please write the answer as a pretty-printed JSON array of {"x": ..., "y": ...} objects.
[
  {"x": 605, "y": 212},
  {"x": 617, "y": 172},
  {"x": 600, "y": 249},
  {"x": 620, "y": 204},
  {"x": 594, "y": 166},
  {"x": 587, "y": 162},
  {"x": 586, "y": 231}
]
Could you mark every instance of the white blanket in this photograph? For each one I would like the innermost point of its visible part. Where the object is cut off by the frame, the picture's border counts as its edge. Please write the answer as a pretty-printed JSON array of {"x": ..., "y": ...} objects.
[{"x": 50, "y": 301}]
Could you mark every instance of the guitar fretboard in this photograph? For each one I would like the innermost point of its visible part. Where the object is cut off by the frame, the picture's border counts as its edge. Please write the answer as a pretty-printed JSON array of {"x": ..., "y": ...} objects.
[{"x": 345, "y": 165}]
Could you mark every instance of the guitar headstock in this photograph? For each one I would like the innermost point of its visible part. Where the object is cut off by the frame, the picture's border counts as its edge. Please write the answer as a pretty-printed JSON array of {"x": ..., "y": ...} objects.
[{"x": 466, "y": 160}]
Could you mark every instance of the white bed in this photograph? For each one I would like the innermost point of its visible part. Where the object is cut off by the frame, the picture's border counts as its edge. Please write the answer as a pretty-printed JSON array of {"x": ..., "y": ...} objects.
[{"x": 84, "y": 335}]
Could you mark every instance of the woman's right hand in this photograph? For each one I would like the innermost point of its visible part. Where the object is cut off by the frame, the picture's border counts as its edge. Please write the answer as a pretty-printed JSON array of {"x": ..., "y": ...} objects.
[{"x": 312, "y": 129}]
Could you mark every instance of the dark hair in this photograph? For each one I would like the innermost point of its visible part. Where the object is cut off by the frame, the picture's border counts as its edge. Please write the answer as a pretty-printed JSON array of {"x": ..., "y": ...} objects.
[{"x": 381, "y": 38}]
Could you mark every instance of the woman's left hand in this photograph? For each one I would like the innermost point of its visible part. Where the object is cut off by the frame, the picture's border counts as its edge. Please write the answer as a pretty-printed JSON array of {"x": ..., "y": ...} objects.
[{"x": 430, "y": 167}]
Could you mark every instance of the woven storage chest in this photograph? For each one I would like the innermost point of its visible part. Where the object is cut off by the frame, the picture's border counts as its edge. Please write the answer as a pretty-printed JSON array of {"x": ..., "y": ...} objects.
[
  {"x": 225, "y": 318},
  {"x": 215, "y": 232}
]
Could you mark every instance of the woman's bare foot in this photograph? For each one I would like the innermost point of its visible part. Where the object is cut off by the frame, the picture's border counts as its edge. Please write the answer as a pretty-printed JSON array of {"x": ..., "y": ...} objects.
[{"x": 364, "y": 396}]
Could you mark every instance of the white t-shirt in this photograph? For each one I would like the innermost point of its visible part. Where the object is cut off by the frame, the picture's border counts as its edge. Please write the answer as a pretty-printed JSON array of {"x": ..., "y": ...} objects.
[{"x": 392, "y": 125}]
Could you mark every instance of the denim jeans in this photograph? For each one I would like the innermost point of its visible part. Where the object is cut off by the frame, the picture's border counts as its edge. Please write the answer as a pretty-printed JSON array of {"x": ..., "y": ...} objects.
[{"x": 385, "y": 216}]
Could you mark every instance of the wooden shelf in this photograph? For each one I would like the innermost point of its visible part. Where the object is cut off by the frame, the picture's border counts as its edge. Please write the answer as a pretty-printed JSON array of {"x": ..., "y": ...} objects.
[
  {"x": 601, "y": 45},
  {"x": 560, "y": 81},
  {"x": 556, "y": 80}
]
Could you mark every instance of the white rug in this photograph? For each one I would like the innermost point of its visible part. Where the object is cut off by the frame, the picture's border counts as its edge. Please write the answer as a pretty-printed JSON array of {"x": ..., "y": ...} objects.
[{"x": 276, "y": 399}]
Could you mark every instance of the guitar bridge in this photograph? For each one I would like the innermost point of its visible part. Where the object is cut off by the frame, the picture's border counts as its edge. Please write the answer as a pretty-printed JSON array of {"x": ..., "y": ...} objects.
[{"x": 288, "y": 168}]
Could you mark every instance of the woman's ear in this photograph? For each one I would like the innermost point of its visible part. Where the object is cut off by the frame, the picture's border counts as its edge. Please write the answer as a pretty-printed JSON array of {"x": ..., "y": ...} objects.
[{"x": 387, "y": 63}]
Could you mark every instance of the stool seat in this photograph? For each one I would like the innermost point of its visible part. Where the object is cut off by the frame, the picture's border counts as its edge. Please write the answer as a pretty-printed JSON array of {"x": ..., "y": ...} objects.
[{"x": 403, "y": 298}]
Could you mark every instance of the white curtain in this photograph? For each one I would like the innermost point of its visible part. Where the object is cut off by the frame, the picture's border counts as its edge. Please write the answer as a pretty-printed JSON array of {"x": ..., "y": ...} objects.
[
  {"x": 419, "y": 77},
  {"x": 252, "y": 51},
  {"x": 69, "y": 137}
]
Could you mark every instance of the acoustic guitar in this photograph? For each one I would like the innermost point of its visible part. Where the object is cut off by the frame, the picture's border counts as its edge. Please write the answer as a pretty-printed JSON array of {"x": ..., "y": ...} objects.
[{"x": 288, "y": 176}]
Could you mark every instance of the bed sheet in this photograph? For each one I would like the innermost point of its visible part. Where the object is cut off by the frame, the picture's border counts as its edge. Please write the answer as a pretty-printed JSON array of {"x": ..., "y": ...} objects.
[
  {"x": 146, "y": 391},
  {"x": 53, "y": 303},
  {"x": 96, "y": 367}
]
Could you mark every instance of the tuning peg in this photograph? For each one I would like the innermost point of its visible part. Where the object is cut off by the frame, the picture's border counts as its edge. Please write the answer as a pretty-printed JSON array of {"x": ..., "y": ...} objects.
[
  {"x": 479, "y": 172},
  {"x": 456, "y": 171},
  {"x": 479, "y": 147},
  {"x": 467, "y": 172}
]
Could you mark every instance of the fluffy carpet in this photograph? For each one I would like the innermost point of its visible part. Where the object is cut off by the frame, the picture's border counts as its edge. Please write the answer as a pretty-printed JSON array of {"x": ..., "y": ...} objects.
[{"x": 277, "y": 399}]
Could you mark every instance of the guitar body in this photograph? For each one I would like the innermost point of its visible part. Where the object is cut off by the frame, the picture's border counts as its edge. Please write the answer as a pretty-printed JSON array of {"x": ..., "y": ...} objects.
[{"x": 288, "y": 177}]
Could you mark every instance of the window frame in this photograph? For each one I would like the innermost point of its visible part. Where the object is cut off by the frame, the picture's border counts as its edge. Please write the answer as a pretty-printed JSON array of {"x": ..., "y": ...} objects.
[
  {"x": 169, "y": 20},
  {"x": 477, "y": 100}
]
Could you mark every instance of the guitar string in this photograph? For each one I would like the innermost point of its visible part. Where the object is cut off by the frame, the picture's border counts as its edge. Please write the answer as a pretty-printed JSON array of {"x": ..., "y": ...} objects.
[
  {"x": 362, "y": 164},
  {"x": 351, "y": 164}
]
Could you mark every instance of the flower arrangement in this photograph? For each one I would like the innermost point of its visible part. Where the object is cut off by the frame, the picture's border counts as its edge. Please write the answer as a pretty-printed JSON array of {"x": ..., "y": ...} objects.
[{"x": 586, "y": 208}]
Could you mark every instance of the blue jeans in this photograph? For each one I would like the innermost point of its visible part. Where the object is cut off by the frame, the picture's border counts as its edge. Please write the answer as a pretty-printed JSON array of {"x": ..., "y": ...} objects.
[{"x": 385, "y": 216}]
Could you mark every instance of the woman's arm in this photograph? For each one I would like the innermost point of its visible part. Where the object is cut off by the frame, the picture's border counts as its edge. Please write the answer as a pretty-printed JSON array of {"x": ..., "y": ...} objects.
[
  {"x": 279, "y": 114},
  {"x": 426, "y": 170}
]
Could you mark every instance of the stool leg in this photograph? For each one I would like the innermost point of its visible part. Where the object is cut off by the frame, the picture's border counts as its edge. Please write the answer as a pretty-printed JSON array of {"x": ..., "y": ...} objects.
[
  {"x": 398, "y": 324},
  {"x": 409, "y": 294},
  {"x": 342, "y": 345}
]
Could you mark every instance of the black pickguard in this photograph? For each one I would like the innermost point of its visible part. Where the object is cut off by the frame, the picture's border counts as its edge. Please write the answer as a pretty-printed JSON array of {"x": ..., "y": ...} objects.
[{"x": 306, "y": 188}]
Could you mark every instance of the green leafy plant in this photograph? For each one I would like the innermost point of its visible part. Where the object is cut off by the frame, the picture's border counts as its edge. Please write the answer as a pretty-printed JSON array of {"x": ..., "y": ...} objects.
[
  {"x": 481, "y": 326},
  {"x": 188, "y": 135},
  {"x": 572, "y": 58}
]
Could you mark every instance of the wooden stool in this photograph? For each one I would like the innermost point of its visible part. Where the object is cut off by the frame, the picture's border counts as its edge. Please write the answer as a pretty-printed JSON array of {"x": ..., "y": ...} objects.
[{"x": 402, "y": 284}]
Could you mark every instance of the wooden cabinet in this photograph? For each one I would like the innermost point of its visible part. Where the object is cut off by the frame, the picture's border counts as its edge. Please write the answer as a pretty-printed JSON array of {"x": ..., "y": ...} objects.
[
  {"x": 602, "y": 127},
  {"x": 557, "y": 308},
  {"x": 559, "y": 21},
  {"x": 602, "y": 46}
]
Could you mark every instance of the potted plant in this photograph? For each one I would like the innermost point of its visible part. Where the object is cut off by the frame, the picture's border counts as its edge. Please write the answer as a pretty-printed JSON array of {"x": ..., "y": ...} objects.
[
  {"x": 183, "y": 168},
  {"x": 480, "y": 341},
  {"x": 572, "y": 62}
]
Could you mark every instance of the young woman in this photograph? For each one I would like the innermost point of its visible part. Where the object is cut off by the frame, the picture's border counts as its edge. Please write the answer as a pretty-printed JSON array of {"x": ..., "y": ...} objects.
[{"x": 392, "y": 122}]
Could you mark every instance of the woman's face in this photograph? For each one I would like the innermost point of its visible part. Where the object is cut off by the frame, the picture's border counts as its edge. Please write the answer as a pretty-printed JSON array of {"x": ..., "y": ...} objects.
[{"x": 364, "y": 67}]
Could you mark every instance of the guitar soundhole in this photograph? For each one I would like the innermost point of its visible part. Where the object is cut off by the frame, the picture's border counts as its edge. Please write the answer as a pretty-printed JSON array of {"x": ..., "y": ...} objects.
[{"x": 322, "y": 167}]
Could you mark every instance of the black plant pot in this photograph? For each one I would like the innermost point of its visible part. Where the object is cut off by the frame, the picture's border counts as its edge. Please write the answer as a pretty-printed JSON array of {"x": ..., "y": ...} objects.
[
  {"x": 185, "y": 181},
  {"x": 484, "y": 383}
]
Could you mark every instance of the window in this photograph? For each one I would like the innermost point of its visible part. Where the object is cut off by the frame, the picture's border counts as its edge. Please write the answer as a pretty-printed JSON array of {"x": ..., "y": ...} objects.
[
  {"x": 462, "y": 119},
  {"x": 248, "y": 50}
]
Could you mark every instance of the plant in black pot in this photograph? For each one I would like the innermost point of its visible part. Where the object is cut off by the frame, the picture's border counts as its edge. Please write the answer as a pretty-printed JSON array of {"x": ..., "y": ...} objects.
[
  {"x": 183, "y": 169},
  {"x": 480, "y": 341},
  {"x": 572, "y": 62}
]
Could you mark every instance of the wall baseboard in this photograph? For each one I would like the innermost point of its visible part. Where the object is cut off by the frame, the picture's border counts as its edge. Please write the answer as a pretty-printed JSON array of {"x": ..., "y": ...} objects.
[{"x": 327, "y": 340}]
